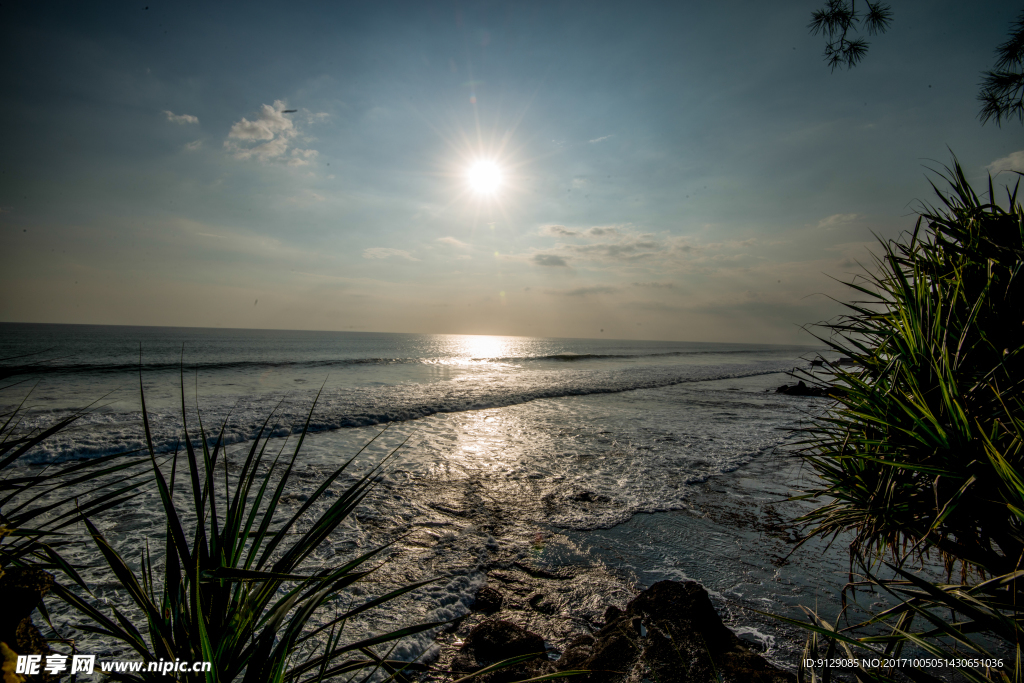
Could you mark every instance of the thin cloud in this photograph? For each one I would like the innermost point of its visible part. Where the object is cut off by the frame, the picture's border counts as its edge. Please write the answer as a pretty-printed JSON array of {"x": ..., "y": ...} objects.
[
  {"x": 653, "y": 306},
  {"x": 315, "y": 117},
  {"x": 621, "y": 247},
  {"x": 181, "y": 119},
  {"x": 194, "y": 145},
  {"x": 654, "y": 285},
  {"x": 1013, "y": 162},
  {"x": 600, "y": 139},
  {"x": 306, "y": 197},
  {"x": 836, "y": 220},
  {"x": 558, "y": 231},
  {"x": 587, "y": 291},
  {"x": 549, "y": 260},
  {"x": 387, "y": 252},
  {"x": 302, "y": 157},
  {"x": 451, "y": 241}
]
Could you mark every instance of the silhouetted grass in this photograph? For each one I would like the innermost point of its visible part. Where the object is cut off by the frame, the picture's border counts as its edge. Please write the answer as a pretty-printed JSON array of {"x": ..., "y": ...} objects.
[
  {"x": 40, "y": 508},
  {"x": 922, "y": 454},
  {"x": 231, "y": 589}
]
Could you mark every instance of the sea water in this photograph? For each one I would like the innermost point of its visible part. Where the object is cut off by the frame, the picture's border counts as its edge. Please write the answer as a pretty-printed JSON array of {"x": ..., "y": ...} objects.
[{"x": 631, "y": 461}]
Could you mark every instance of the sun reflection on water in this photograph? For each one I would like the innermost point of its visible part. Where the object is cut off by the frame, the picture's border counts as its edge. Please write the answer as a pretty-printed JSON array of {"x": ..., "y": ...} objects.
[{"x": 478, "y": 349}]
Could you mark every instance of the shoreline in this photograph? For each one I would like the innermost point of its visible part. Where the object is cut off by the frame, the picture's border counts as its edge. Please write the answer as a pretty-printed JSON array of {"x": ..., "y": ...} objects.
[
  {"x": 743, "y": 508},
  {"x": 485, "y": 489}
]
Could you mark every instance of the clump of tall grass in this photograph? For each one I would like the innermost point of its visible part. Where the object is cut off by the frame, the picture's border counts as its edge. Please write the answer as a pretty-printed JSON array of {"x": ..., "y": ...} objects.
[
  {"x": 40, "y": 509},
  {"x": 232, "y": 588},
  {"x": 923, "y": 453}
]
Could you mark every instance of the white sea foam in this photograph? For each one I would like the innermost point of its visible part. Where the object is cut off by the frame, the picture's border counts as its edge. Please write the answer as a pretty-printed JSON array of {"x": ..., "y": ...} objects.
[{"x": 497, "y": 453}]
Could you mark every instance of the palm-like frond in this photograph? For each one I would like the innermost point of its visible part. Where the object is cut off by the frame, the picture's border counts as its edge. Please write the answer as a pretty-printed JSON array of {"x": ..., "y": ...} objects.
[
  {"x": 38, "y": 505},
  {"x": 1002, "y": 89},
  {"x": 233, "y": 590},
  {"x": 922, "y": 453}
]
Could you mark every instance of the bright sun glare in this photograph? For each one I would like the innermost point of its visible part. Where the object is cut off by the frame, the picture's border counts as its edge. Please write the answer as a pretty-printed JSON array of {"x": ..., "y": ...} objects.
[{"x": 484, "y": 177}]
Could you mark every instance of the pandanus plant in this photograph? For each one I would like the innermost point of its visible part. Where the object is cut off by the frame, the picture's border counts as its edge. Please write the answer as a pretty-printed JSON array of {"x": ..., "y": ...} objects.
[
  {"x": 40, "y": 506},
  {"x": 921, "y": 455},
  {"x": 232, "y": 591}
]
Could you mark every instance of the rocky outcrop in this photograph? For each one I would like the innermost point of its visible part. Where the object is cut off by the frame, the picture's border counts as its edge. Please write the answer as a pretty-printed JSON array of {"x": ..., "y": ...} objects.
[
  {"x": 670, "y": 633},
  {"x": 488, "y": 600},
  {"x": 494, "y": 641},
  {"x": 801, "y": 389}
]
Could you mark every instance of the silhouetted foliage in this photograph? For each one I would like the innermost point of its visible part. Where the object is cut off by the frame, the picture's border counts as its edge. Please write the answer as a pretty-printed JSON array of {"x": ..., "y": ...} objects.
[
  {"x": 1002, "y": 90},
  {"x": 922, "y": 454},
  {"x": 838, "y": 19}
]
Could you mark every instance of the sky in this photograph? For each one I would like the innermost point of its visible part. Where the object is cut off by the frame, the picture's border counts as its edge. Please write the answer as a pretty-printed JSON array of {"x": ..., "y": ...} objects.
[{"x": 686, "y": 171}]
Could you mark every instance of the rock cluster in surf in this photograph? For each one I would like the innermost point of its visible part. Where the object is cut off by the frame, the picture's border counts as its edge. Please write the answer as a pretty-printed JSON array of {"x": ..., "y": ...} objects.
[{"x": 669, "y": 633}]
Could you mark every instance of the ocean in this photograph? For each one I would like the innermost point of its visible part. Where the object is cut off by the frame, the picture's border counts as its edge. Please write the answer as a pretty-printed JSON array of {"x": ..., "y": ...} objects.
[{"x": 626, "y": 462}]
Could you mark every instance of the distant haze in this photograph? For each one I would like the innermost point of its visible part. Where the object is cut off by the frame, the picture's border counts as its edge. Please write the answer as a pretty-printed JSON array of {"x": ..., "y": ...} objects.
[{"x": 672, "y": 171}]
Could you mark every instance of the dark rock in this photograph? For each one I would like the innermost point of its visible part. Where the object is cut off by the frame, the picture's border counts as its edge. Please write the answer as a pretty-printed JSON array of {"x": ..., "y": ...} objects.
[
  {"x": 543, "y": 604},
  {"x": 801, "y": 389},
  {"x": 591, "y": 497},
  {"x": 493, "y": 641},
  {"x": 21, "y": 590},
  {"x": 538, "y": 573},
  {"x": 672, "y": 634},
  {"x": 488, "y": 600}
]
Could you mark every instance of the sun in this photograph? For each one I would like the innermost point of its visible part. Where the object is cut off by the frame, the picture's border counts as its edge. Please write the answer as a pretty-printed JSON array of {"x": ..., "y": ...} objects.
[{"x": 484, "y": 177}]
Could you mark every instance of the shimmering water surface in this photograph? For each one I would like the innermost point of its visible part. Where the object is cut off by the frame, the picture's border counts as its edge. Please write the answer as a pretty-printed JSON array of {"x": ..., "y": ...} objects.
[{"x": 631, "y": 460}]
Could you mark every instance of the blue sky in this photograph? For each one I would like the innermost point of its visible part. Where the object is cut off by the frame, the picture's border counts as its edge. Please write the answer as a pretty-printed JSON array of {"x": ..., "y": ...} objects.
[{"x": 687, "y": 171}]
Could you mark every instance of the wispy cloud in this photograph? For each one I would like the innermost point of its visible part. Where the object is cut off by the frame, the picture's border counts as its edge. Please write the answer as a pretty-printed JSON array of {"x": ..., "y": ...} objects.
[
  {"x": 306, "y": 197},
  {"x": 1013, "y": 162},
  {"x": 315, "y": 117},
  {"x": 451, "y": 241},
  {"x": 588, "y": 291},
  {"x": 558, "y": 231},
  {"x": 268, "y": 137},
  {"x": 194, "y": 145},
  {"x": 600, "y": 139},
  {"x": 836, "y": 220},
  {"x": 387, "y": 252},
  {"x": 622, "y": 245},
  {"x": 549, "y": 260},
  {"x": 654, "y": 285},
  {"x": 619, "y": 247},
  {"x": 181, "y": 118},
  {"x": 302, "y": 157}
]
